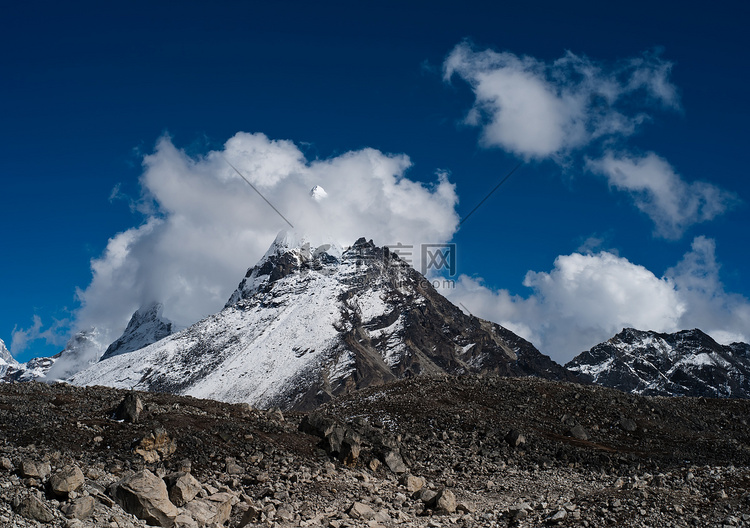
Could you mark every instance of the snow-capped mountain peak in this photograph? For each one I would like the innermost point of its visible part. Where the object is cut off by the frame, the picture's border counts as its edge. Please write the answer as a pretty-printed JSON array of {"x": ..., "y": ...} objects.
[
  {"x": 290, "y": 253},
  {"x": 146, "y": 326},
  {"x": 312, "y": 320},
  {"x": 318, "y": 193}
]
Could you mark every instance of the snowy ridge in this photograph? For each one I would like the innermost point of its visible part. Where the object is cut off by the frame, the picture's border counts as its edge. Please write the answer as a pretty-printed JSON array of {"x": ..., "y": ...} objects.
[
  {"x": 312, "y": 320},
  {"x": 146, "y": 326},
  {"x": 686, "y": 363}
]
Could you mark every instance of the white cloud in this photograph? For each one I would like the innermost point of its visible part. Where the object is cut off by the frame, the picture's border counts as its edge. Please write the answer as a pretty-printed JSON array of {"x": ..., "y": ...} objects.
[
  {"x": 672, "y": 203},
  {"x": 540, "y": 110},
  {"x": 53, "y": 335},
  {"x": 586, "y": 299},
  {"x": 723, "y": 315},
  {"x": 204, "y": 226}
]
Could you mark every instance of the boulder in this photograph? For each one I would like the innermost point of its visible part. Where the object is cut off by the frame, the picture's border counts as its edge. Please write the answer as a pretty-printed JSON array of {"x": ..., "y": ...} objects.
[
  {"x": 628, "y": 425},
  {"x": 443, "y": 501},
  {"x": 578, "y": 432},
  {"x": 515, "y": 438},
  {"x": 33, "y": 508},
  {"x": 359, "y": 510},
  {"x": 183, "y": 487},
  {"x": 214, "y": 509},
  {"x": 30, "y": 469},
  {"x": 411, "y": 483},
  {"x": 145, "y": 495},
  {"x": 394, "y": 462},
  {"x": 68, "y": 479},
  {"x": 130, "y": 408},
  {"x": 81, "y": 508}
]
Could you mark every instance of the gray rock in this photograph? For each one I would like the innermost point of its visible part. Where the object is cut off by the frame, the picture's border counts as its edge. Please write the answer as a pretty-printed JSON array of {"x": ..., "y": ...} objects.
[
  {"x": 425, "y": 495},
  {"x": 215, "y": 509},
  {"x": 130, "y": 408},
  {"x": 519, "y": 511},
  {"x": 183, "y": 487},
  {"x": 394, "y": 462},
  {"x": 558, "y": 516},
  {"x": 578, "y": 432},
  {"x": 359, "y": 510},
  {"x": 145, "y": 495},
  {"x": 285, "y": 512},
  {"x": 33, "y": 508},
  {"x": 628, "y": 425},
  {"x": 184, "y": 520},
  {"x": 411, "y": 483},
  {"x": 31, "y": 469},
  {"x": 68, "y": 479},
  {"x": 515, "y": 438},
  {"x": 81, "y": 508},
  {"x": 444, "y": 501}
]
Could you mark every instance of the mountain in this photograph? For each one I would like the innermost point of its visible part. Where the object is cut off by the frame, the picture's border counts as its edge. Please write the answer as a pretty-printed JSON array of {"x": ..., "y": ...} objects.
[
  {"x": 146, "y": 326},
  {"x": 312, "y": 321},
  {"x": 80, "y": 351},
  {"x": 6, "y": 360},
  {"x": 686, "y": 363}
]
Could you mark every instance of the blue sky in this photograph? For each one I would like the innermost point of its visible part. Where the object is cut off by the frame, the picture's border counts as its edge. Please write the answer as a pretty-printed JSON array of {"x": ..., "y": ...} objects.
[{"x": 631, "y": 206}]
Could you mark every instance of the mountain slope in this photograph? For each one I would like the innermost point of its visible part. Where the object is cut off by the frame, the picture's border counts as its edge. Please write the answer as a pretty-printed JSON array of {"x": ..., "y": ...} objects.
[
  {"x": 308, "y": 322},
  {"x": 686, "y": 363},
  {"x": 146, "y": 326}
]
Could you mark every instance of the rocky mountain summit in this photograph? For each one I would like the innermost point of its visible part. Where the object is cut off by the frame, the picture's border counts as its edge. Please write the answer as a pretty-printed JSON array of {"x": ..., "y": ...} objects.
[
  {"x": 309, "y": 322},
  {"x": 427, "y": 452},
  {"x": 146, "y": 326},
  {"x": 686, "y": 363}
]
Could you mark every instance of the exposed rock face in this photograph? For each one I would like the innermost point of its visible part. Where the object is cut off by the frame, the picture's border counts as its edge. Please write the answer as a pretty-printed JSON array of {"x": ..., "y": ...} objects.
[
  {"x": 308, "y": 323},
  {"x": 686, "y": 363},
  {"x": 146, "y": 326}
]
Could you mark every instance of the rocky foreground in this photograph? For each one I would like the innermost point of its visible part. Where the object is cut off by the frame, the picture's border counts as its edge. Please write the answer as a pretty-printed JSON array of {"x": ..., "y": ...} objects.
[{"x": 427, "y": 452}]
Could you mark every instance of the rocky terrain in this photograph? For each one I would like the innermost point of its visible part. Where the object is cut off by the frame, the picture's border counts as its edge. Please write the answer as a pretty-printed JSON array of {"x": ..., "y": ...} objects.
[
  {"x": 428, "y": 452},
  {"x": 686, "y": 363}
]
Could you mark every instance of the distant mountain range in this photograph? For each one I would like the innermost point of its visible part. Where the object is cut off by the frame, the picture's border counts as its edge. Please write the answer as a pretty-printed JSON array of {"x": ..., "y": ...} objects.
[
  {"x": 312, "y": 321},
  {"x": 686, "y": 363}
]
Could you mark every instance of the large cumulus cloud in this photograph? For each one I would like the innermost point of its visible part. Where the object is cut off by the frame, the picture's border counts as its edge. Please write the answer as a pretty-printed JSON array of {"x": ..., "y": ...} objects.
[{"x": 203, "y": 225}]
